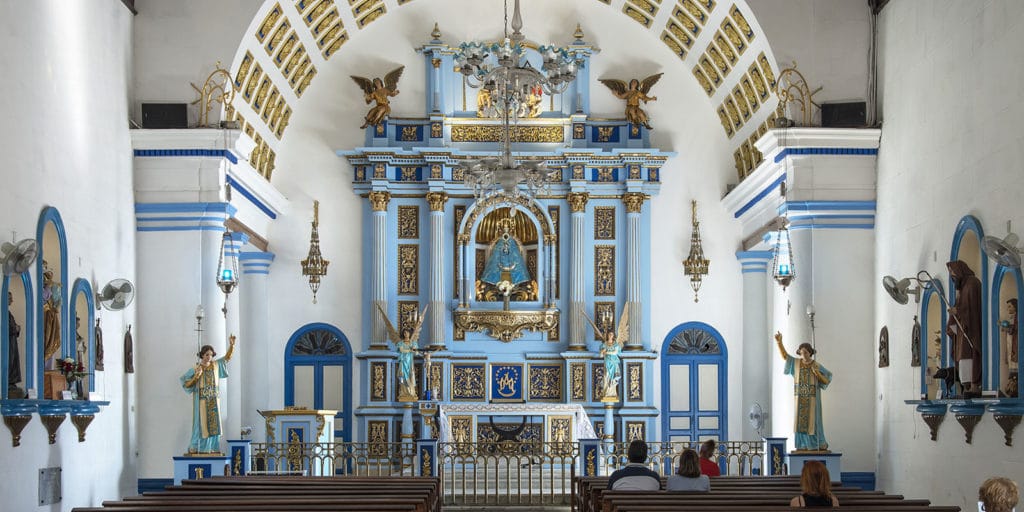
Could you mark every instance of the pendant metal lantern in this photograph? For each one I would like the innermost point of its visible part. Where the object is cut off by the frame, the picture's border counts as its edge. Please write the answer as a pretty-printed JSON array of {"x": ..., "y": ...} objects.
[
  {"x": 315, "y": 266},
  {"x": 783, "y": 265},
  {"x": 696, "y": 265},
  {"x": 227, "y": 269}
]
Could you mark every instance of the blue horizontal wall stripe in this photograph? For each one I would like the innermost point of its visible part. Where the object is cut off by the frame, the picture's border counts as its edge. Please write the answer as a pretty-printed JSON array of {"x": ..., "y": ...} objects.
[
  {"x": 235, "y": 185},
  {"x": 180, "y": 228},
  {"x": 179, "y": 219},
  {"x": 216, "y": 153},
  {"x": 761, "y": 255},
  {"x": 255, "y": 265},
  {"x": 824, "y": 151},
  {"x": 829, "y": 216},
  {"x": 185, "y": 208},
  {"x": 755, "y": 271},
  {"x": 798, "y": 227},
  {"x": 246, "y": 271},
  {"x": 830, "y": 205},
  {"x": 761, "y": 195}
]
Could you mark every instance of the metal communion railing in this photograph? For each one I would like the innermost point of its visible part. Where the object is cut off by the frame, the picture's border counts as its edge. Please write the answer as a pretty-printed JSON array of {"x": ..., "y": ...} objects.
[
  {"x": 324, "y": 459},
  {"x": 507, "y": 472}
]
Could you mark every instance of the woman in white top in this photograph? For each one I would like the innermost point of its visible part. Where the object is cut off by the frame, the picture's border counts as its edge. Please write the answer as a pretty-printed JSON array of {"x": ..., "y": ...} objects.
[{"x": 688, "y": 477}]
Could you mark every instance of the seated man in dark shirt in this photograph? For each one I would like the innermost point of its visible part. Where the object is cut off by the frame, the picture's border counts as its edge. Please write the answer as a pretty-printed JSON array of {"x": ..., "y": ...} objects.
[{"x": 635, "y": 476}]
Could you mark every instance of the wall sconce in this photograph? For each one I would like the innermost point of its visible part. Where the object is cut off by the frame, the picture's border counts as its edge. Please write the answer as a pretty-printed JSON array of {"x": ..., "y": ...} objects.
[
  {"x": 315, "y": 266},
  {"x": 227, "y": 269},
  {"x": 695, "y": 265},
  {"x": 783, "y": 265}
]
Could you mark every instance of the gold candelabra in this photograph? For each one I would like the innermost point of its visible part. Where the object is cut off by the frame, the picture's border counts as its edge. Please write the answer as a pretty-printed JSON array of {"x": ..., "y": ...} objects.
[
  {"x": 216, "y": 89},
  {"x": 696, "y": 265},
  {"x": 315, "y": 266}
]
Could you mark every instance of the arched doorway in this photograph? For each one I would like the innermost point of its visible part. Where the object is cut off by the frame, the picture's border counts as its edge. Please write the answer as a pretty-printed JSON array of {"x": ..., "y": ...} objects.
[
  {"x": 694, "y": 383},
  {"x": 318, "y": 374}
]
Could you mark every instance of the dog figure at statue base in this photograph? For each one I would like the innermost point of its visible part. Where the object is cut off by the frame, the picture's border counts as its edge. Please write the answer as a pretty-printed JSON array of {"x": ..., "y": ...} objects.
[{"x": 951, "y": 379}]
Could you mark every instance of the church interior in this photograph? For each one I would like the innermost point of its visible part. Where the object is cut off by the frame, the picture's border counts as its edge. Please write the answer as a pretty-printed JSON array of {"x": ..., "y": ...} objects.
[{"x": 410, "y": 228}]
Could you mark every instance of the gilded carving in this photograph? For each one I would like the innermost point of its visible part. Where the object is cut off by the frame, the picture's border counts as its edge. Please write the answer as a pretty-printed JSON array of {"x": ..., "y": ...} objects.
[
  {"x": 292, "y": 61},
  {"x": 254, "y": 80},
  {"x": 560, "y": 429},
  {"x": 578, "y": 381},
  {"x": 371, "y": 16},
  {"x": 409, "y": 221},
  {"x": 325, "y": 24},
  {"x": 719, "y": 61},
  {"x": 673, "y": 44},
  {"x": 545, "y": 382},
  {"x": 742, "y": 22},
  {"x": 578, "y": 201},
  {"x": 268, "y": 22},
  {"x": 687, "y": 21},
  {"x": 378, "y": 372},
  {"x": 408, "y": 269},
  {"x": 645, "y": 5},
  {"x": 748, "y": 90},
  {"x": 314, "y": 13},
  {"x": 278, "y": 36},
  {"x": 408, "y": 316},
  {"x": 410, "y": 133},
  {"x": 634, "y": 201},
  {"x": 703, "y": 80},
  {"x": 579, "y": 131},
  {"x": 16, "y": 423},
  {"x": 725, "y": 48},
  {"x": 407, "y": 174},
  {"x": 577, "y": 172},
  {"x": 681, "y": 34},
  {"x": 379, "y": 200},
  {"x": 737, "y": 94},
  {"x": 635, "y": 430},
  {"x": 243, "y": 70},
  {"x": 766, "y": 68},
  {"x": 435, "y": 173},
  {"x": 436, "y": 63},
  {"x": 554, "y": 212},
  {"x": 637, "y": 15},
  {"x": 360, "y": 173},
  {"x": 460, "y": 212},
  {"x": 634, "y": 372},
  {"x": 709, "y": 68},
  {"x": 493, "y": 133},
  {"x": 468, "y": 383},
  {"x": 458, "y": 174},
  {"x": 506, "y": 325},
  {"x": 436, "y": 378},
  {"x": 604, "y": 133},
  {"x": 695, "y": 11},
  {"x": 726, "y": 125},
  {"x": 606, "y": 174},
  {"x": 591, "y": 465},
  {"x": 437, "y": 199},
  {"x": 734, "y": 114},
  {"x": 604, "y": 270},
  {"x": 377, "y": 437},
  {"x": 597, "y": 381},
  {"x": 634, "y": 172},
  {"x": 425, "y": 469},
  {"x": 436, "y": 130}
]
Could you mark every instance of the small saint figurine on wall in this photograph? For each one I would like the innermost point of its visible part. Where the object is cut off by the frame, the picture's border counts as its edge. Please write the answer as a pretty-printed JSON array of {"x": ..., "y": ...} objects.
[
  {"x": 378, "y": 91},
  {"x": 883, "y": 348},
  {"x": 129, "y": 351},
  {"x": 13, "y": 353},
  {"x": 634, "y": 93},
  {"x": 915, "y": 344},
  {"x": 98, "y": 365}
]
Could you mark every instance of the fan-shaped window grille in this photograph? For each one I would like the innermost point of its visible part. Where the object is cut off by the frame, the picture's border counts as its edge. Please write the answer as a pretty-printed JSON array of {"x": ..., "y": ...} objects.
[
  {"x": 318, "y": 342},
  {"x": 694, "y": 341}
]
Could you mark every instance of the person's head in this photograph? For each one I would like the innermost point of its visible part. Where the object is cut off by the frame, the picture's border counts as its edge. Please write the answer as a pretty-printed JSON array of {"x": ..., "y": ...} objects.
[
  {"x": 707, "y": 449},
  {"x": 406, "y": 334},
  {"x": 609, "y": 337},
  {"x": 689, "y": 464},
  {"x": 1011, "y": 307},
  {"x": 814, "y": 479},
  {"x": 998, "y": 495},
  {"x": 634, "y": 84},
  {"x": 206, "y": 354},
  {"x": 637, "y": 452},
  {"x": 805, "y": 351},
  {"x": 377, "y": 83}
]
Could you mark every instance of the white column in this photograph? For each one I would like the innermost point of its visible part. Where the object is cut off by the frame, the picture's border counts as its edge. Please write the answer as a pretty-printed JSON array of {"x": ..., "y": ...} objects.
[
  {"x": 634, "y": 203},
  {"x": 253, "y": 350},
  {"x": 577, "y": 330},
  {"x": 437, "y": 271},
  {"x": 379, "y": 204},
  {"x": 757, "y": 341}
]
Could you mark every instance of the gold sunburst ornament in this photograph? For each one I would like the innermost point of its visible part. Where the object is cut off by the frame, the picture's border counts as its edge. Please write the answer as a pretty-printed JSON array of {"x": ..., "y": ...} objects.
[
  {"x": 696, "y": 265},
  {"x": 315, "y": 266}
]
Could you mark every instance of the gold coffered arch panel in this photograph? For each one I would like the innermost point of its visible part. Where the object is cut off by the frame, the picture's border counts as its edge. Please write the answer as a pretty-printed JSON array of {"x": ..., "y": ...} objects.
[{"x": 718, "y": 42}]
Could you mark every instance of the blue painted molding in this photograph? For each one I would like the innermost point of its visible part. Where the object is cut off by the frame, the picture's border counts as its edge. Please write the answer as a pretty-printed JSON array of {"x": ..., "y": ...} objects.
[
  {"x": 225, "y": 208},
  {"x": 50, "y": 215},
  {"x": 26, "y": 332},
  {"x": 212, "y": 153},
  {"x": 159, "y": 216},
  {"x": 318, "y": 362},
  {"x": 82, "y": 286},
  {"x": 971, "y": 223},
  {"x": 760, "y": 195},
  {"x": 236, "y": 186},
  {"x": 824, "y": 151},
  {"x": 827, "y": 205}
]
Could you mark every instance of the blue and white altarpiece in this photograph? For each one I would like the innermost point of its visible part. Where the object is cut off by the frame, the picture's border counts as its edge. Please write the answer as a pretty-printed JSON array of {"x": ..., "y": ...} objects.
[{"x": 582, "y": 247}]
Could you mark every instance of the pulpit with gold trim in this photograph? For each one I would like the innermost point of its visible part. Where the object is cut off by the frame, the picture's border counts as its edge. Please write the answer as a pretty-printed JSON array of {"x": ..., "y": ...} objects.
[{"x": 296, "y": 439}]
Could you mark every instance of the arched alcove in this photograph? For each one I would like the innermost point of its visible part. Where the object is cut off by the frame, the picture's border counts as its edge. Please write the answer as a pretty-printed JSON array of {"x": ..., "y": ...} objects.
[
  {"x": 966, "y": 247},
  {"x": 19, "y": 356},
  {"x": 82, "y": 316},
  {"x": 318, "y": 373},
  {"x": 934, "y": 355},
  {"x": 1007, "y": 284},
  {"x": 51, "y": 288}
]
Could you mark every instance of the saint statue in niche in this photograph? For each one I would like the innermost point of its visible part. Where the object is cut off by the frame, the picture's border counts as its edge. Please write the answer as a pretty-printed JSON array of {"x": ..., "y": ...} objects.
[
  {"x": 505, "y": 274},
  {"x": 51, "y": 313},
  {"x": 964, "y": 328},
  {"x": 13, "y": 353}
]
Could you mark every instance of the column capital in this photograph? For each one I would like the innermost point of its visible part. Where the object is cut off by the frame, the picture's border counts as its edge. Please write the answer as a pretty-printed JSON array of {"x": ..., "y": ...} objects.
[
  {"x": 578, "y": 201},
  {"x": 634, "y": 201},
  {"x": 379, "y": 200},
  {"x": 437, "y": 201},
  {"x": 550, "y": 239}
]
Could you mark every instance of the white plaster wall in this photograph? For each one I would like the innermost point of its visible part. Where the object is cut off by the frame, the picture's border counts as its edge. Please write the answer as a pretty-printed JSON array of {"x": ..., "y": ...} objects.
[
  {"x": 178, "y": 43},
  {"x": 66, "y": 144},
  {"x": 828, "y": 39},
  {"x": 951, "y": 146}
]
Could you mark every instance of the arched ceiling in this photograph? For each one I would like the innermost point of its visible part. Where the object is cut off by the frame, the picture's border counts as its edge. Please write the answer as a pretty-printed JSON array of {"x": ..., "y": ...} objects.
[{"x": 290, "y": 42}]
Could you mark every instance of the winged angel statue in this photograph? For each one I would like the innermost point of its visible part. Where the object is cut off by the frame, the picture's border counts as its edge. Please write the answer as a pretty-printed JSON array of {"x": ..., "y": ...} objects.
[
  {"x": 634, "y": 93},
  {"x": 610, "y": 350},
  {"x": 406, "y": 344},
  {"x": 379, "y": 91}
]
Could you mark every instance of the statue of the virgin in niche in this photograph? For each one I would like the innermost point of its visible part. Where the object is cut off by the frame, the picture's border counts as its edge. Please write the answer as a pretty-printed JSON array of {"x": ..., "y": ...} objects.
[{"x": 506, "y": 267}]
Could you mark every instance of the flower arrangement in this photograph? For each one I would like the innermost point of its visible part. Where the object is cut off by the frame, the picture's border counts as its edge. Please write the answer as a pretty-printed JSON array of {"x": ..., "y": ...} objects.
[{"x": 71, "y": 370}]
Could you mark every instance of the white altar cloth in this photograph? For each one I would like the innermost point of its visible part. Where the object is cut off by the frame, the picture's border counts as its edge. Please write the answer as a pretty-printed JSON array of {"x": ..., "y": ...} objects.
[{"x": 583, "y": 428}]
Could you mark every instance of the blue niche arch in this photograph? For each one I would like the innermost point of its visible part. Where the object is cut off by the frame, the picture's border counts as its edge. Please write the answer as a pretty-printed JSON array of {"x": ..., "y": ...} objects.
[
  {"x": 50, "y": 215},
  {"x": 690, "y": 349},
  {"x": 82, "y": 286},
  {"x": 28, "y": 356},
  {"x": 997, "y": 285},
  {"x": 931, "y": 293},
  {"x": 321, "y": 346},
  {"x": 970, "y": 223}
]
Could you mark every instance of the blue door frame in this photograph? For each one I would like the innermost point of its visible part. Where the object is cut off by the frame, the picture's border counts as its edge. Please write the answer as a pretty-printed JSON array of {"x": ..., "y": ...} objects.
[
  {"x": 320, "y": 345},
  {"x": 693, "y": 344}
]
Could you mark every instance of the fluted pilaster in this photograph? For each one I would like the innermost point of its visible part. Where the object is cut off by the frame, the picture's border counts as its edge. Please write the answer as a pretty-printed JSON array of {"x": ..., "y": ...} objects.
[
  {"x": 437, "y": 310},
  {"x": 634, "y": 202},
  {"x": 577, "y": 329},
  {"x": 378, "y": 281}
]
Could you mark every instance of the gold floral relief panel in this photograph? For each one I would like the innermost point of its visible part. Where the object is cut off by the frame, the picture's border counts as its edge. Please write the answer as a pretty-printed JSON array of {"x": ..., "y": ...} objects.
[
  {"x": 409, "y": 222},
  {"x": 560, "y": 429},
  {"x": 437, "y": 380},
  {"x": 596, "y": 381},
  {"x": 578, "y": 381},
  {"x": 460, "y": 212},
  {"x": 407, "y": 312},
  {"x": 480, "y": 262},
  {"x": 604, "y": 223},
  {"x": 408, "y": 269},
  {"x": 468, "y": 382},
  {"x": 545, "y": 382},
  {"x": 604, "y": 270},
  {"x": 555, "y": 213},
  {"x": 377, "y": 435},
  {"x": 604, "y": 317},
  {"x": 461, "y": 428},
  {"x": 634, "y": 375},
  {"x": 378, "y": 378},
  {"x": 599, "y": 428},
  {"x": 636, "y": 430},
  {"x": 493, "y": 133}
]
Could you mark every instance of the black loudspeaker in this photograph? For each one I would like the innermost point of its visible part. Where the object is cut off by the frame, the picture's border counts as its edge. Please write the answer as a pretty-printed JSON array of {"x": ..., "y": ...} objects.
[
  {"x": 844, "y": 115},
  {"x": 165, "y": 115}
]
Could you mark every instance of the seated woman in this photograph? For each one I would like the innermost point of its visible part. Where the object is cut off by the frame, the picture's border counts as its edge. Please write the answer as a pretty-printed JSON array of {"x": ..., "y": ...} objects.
[
  {"x": 688, "y": 477},
  {"x": 998, "y": 495},
  {"x": 815, "y": 486},
  {"x": 708, "y": 466}
]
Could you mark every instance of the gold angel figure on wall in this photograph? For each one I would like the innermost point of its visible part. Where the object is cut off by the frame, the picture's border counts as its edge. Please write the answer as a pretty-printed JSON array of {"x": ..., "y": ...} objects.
[
  {"x": 379, "y": 91},
  {"x": 612, "y": 342},
  {"x": 635, "y": 92}
]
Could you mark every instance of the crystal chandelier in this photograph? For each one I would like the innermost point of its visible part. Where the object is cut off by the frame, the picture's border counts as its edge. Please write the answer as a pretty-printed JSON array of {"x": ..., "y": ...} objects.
[
  {"x": 315, "y": 266},
  {"x": 696, "y": 265},
  {"x": 510, "y": 84}
]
